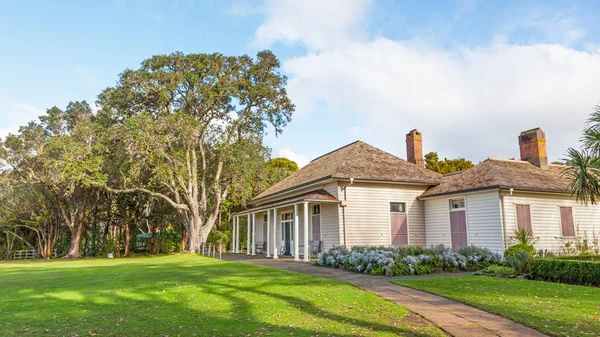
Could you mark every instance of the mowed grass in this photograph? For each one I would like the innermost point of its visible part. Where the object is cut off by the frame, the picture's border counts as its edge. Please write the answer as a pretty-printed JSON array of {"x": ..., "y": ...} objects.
[
  {"x": 188, "y": 295},
  {"x": 553, "y": 308}
]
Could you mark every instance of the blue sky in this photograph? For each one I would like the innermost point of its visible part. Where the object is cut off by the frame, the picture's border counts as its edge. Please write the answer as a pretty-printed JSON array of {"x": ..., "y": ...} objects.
[{"x": 469, "y": 74}]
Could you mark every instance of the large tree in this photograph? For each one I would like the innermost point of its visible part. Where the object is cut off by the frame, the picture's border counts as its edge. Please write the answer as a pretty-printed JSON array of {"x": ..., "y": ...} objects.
[
  {"x": 192, "y": 123},
  {"x": 60, "y": 154}
]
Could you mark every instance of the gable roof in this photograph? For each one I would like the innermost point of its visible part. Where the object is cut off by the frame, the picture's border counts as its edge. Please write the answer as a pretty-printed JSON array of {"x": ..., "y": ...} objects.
[
  {"x": 498, "y": 173},
  {"x": 356, "y": 160}
]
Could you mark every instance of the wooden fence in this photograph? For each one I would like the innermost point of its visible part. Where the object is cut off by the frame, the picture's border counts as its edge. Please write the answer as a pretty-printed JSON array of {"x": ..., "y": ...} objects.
[{"x": 27, "y": 254}]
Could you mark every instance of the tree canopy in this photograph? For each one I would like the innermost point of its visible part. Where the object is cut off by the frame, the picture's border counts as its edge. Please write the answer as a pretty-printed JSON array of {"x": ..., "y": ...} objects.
[
  {"x": 179, "y": 140},
  {"x": 432, "y": 162}
]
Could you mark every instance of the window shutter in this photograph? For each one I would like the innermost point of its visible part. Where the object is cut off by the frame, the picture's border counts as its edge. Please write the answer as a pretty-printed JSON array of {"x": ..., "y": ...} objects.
[
  {"x": 566, "y": 221},
  {"x": 524, "y": 217}
]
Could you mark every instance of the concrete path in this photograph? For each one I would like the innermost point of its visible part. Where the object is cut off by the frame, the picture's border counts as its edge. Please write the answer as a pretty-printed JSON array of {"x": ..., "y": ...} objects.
[{"x": 455, "y": 318}]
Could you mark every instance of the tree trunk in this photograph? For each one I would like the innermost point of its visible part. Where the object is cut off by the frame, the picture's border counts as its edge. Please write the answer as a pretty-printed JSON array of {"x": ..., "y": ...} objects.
[
  {"x": 128, "y": 233},
  {"x": 75, "y": 242}
]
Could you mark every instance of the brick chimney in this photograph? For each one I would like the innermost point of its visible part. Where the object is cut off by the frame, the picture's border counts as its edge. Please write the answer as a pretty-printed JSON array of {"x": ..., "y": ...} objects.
[
  {"x": 532, "y": 144},
  {"x": 414, "y": 148}
]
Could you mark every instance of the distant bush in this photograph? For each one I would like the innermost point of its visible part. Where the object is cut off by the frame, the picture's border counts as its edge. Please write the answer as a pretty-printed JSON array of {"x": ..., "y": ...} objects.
[
  {"x": 478, "y": 257},
  {"x": 566, "y": 271},
  {"x": 497, "y": 271},
  {"x": 520, "y": 261},
  {"x": 519, "y": 247},
  {"x": 407, "y": 260},
  {"x": 169, "y": 243}
]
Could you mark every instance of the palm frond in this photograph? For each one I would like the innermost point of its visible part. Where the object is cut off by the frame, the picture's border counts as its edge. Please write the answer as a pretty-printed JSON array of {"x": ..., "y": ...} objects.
[{"x": 583, "y": 172}]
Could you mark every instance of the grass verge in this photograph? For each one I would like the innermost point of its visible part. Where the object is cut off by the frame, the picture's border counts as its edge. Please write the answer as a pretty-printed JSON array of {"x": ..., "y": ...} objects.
[
  {"x": 553, "y": 308},
  {"x": 188, "y": 295}
]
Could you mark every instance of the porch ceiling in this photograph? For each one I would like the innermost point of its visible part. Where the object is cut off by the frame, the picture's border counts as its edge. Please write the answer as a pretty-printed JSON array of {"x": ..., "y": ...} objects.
[{"x": 318, "y": 196}]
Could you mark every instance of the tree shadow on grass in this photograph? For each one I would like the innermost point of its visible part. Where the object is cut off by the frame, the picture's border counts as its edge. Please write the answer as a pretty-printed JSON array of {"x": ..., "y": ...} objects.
[{"x": 205, "y": 299}]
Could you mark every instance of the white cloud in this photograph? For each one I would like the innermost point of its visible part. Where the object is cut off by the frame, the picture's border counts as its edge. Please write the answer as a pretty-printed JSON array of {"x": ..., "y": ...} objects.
[
  {"x": 14, "y": 115},
  {"x": 291, "y": 155},
  {"x": 314, "y": 23},
  {"x": 470, "y": 103}
]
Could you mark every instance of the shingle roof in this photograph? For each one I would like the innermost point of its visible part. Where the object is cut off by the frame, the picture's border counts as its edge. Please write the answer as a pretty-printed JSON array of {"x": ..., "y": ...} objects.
[
  {"x": 357, "y": 160},
  {"x": 314, "y": 196},
  {"x": 498, "y": 173}
]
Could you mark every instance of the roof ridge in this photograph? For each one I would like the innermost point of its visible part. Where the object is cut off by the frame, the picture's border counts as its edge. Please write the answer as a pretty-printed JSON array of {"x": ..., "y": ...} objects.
[{"x": 330, "y": 152}]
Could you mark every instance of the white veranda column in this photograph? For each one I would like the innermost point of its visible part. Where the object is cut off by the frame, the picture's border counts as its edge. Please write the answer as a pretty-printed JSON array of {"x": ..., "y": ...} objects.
[
  {"x": 233, "y": 234},
  {"x": 296, "y": 245},
  {"x": 237, "y": 236},
  {"x": 306, "y": 232},
  {"x": 275, "y": 233},
  {"x": 268, "y": 239},
  {"x": 249, "y": 231},
  {"x": 253, "y": 242}
]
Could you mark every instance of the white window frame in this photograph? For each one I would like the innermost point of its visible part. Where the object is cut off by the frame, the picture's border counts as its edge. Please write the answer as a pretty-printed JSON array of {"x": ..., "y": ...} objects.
[{"x": 464, "y": 200}]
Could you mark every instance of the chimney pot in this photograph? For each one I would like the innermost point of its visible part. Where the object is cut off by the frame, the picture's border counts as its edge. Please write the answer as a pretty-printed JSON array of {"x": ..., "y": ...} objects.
[
  {"x": 532, "y": 145},
  {"x": 414, "y": 148}
]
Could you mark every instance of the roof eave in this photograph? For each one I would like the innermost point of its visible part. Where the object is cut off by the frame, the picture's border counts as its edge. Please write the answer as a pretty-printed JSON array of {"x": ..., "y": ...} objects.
[
  {"x": 289, "y": 189},
  {"x": 496, "y": 187}
]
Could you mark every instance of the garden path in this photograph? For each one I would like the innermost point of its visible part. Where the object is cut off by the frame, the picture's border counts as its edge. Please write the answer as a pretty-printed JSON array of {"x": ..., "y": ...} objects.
[{"x": 455, "y": 318}]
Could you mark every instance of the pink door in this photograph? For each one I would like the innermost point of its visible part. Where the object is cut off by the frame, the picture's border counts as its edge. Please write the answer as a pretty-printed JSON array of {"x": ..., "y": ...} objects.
[
  {"x": 316, "y": 227},
  {"x": 399, "y": 227},
  {"x": 458, "y": 228}
]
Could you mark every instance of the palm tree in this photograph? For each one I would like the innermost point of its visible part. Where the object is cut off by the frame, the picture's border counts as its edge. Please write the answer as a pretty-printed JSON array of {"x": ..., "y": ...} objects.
[{"x": 583, "y": 166}]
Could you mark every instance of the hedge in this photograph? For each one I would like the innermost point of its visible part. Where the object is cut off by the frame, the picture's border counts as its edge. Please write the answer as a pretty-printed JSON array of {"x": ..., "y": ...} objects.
[
  {"x": 580, "y": 258},
  {"x": 566, "y": 271}
]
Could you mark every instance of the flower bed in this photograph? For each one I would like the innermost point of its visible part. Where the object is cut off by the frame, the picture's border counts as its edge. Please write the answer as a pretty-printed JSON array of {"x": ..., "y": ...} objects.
[{"x": 407, "y": 260}]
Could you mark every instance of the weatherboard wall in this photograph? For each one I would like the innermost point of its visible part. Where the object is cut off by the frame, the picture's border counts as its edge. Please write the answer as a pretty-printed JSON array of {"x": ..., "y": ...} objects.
[
  {"x": 483, "y": 217},
  {"x": 545, "y": 218},
  {"x": 368, "y": 213}
]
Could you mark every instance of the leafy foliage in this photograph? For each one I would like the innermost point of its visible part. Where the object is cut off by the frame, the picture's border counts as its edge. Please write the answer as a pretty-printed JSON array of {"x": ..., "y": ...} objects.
[
  {"x": 432, "y": 162},
  {"x": 524, "y": 236},
  {"x": 512, "y": 250},
  {"x": 566, "y": 271},
  {"x": 495, "y": 270},
  {"x": 519, "y": 260},
  {"x": 407, "y": 260}
]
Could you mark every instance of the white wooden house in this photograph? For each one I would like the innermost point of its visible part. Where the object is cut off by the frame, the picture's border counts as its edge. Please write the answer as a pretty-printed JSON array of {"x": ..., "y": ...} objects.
[{"x": 361, "y": 195}]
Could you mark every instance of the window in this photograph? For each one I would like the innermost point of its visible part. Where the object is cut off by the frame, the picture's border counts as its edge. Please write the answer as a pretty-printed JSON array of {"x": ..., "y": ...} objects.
[
  {"x": 316, "y": 209},
  {"x": 398, "y": 207},
  {"x": 457, "y": 203},
  {"x": 566, "y": 221},
  {"x": 523, "y": 217},
  {"x": 265, "y": 219}
]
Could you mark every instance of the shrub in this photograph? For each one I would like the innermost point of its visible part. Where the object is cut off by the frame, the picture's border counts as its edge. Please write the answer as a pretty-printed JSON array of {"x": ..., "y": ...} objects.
[
  {"x": 494, "y": 270},
  {"x": 519, "y": 247},
  {"x": 566, "y": 271},
  {"x": 478, "y": 257},
  {"x": 520, "y": 261},
  {"x": 333, "y": 257},
  {"x": 169, "y": 242},
  {"x": 406, "y": 260}
]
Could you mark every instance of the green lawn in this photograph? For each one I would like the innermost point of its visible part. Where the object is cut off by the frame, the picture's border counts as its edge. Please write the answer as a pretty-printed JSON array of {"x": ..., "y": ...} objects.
[
  {"x": 188, "y": 295},
  {"x": 553, "y": 308}
]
